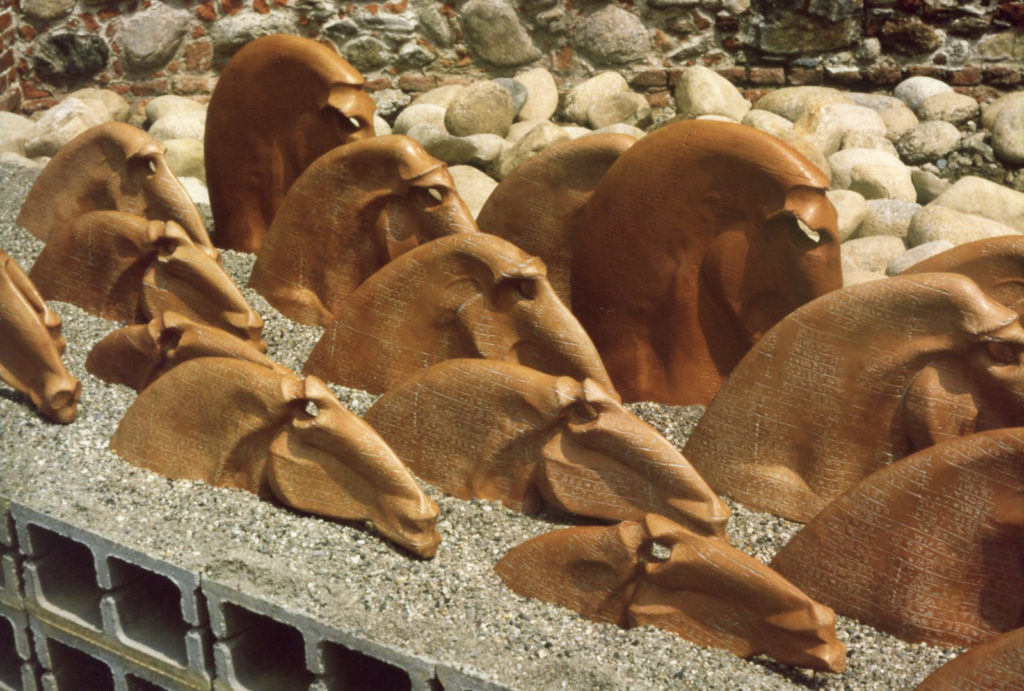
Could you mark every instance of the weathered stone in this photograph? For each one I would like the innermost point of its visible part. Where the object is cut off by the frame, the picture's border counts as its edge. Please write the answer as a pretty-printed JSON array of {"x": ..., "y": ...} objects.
[
  {"x": 851, "y": 207},
  {"x": 14, "y": 130},
  {"x": 435, "y": 25},
  {"x": 423, "y": 113},
  {"x": 974, "y": 195},
  {"x": 928, "y": 185},
  {"x": 949, "y": 106},
  {"x": 916, "y": 90},
  {"x": 575, "y": 131},
  {"x": 868, "y": 140},
  {"x": 516, "y": 90},
  {"x": 629, "y": 108},
  {"x": 382, "y": 22},
  {"x": 46, "y": 9},
  {"x": 875, "y": 174},
  {"x": 581, "y": 97},
  {"x": 341, "y": 31},
  {"x": 61, "y": 124},
  {"x": 473, "y": 185},
  {"x": 541, "y": 94},
  {"x": 874, "y": 253},
  {"x": 228, "y": 34},
  {"x": 620, "y": 128},
  {"x": 183, "y": 125},
  {"x": 613, "y": 36},
  {"x": 793, "y": 101},
  {"x": 439, "y": 96},
  {"x": 477, "y": 149},
  {"x": 169, "y": 104},
  {"x": 539, "y": 138},
  {"x": 898, "y": 118},
  {"x": 185, "y": 158},
  {"x": 14, "y": 158},
  {"x": 796, "y": 33},
  {"x": 520, "y": 129},
  {"x": 826, "y": 125},
  {"x": 928, "y": 141},
  {"x": 701, "y": 91},
  {"x": 993, "y": 109},
  {"x": 481, "y": 108},
  {"x": 1006, "y": 45},
  {"x": 767, "y": 122},
  {"x": 1008, "y": 133},
  {"x": 909, "y": 36},
  {"x": 65, "y": 55},
  {"x": 390, "y": 102},
  {"x": 887, "y": 217},
  {"x": 412, "y": 54},
  {"x": 915, "y": 255},
  {"x": 114, "y": 103},
  {"x": 494, "y": 34},
  {"x": 935, "y": 222},
  {"x": 152, "y": 36},
  {"x": 367, "y": 53},
  {"x": 381, "y": 128}
]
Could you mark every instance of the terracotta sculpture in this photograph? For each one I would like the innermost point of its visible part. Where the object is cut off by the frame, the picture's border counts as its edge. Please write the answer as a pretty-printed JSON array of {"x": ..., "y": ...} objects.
[
  {"x": 280, "y": 103},
  {"x": 995, "y": 264},
  {"x": 110, "y": 167},
  {"x": 31, "y": 346},
  {"x": 698, "y": 239},
  {"x": 465, "y": 295},
  {"x": 500, "y": 431},
  {"x": 538, "y": 206},
  {"x": 702, "y": 589},
  {"x": 998, "y": 663},
  {"x": 928, "y": 548},
  {"x": 139, "y": 353},
  {"x": 854, "y": 381},
  {"x": 240, "y": 424},
  {"x": 120, "y": 266},
  {"x": 354, "y": 210}
]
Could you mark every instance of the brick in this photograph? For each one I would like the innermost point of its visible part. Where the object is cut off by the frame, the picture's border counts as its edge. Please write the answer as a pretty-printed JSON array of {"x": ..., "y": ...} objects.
[
  {"x": 89, "y": 22},
  {"x": 650, "y": 78},
  {"x": 882, "y": 74},
  {"x": 659, "y": 99},
  {"x": 190, "y": 84},
  {"x": 1002, "y": 75},
  {"x": 31, "y": 91},
  {"x": 5, "y": 20},
  {"x": 968, "y": 75},
  {"x": 108, "y": 12},
  {"x": 736, "y": 75},
  {"x": 416, "y": 82},
  {"x": 732, "y": 43},
  {"x": 7, "y": 60},
  {"x": 713, "y": 58},
  {"x": 934, "y": 71},
  {"x": 230, "y": 7},
  {"x": 199, "y": 56},
  {"x": 27, "y": 32},
  {"x": 563, "y": 59},
  {"x": 397, "y": 7},
  {"x": 261, "y": 6},
  {"x": 206, "y": 11},
  {"x": 848, "y": 77},
  {"x": 767, "y": 76}
]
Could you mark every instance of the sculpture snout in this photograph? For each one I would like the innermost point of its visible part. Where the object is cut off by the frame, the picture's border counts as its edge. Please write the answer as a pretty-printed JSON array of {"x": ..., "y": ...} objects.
[{"x": 60, "y": 396}]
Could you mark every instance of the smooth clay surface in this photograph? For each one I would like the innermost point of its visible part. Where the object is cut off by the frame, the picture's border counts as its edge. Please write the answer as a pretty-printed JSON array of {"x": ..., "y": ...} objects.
[{"x": 453, "y": 608}]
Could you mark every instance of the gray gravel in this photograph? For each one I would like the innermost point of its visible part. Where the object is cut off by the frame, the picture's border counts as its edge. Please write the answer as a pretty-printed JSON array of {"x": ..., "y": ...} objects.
[{"x": 453, "y": 608}]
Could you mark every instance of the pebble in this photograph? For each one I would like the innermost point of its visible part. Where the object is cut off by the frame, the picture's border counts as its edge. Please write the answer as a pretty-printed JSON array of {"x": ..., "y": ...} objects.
[
  {"x": 928, "y": 141},
  {"x": 934, "y": 222},
  {"x": 439, "y": 96},
  {"x": 701, "y": 91},
  {"x": 791, "y": 102},
  {"x": 949, "y": 106},
  {"x": 541, "y": 94},
  {"x": 473, "y": 185},
  {"x": 851, "y": 207},
  {"x": 917, "y": 254},
  {"x": 914, "y": 91},
  {"x": 185, "y": 158},
  {"x": 117, "y": 108},
  {"x": 992, "y": 110},
  {"x": 629, "y": 108},
  {"x": 875, "y": 174},
  {"x": 1008, "y": 133},
  {"x": 483, "y": 107},
  {"x": 418, "y": 114},
  {"x": 887, "y": 217},
  {"x": 873, "y": 254},
  {"x": 826, "y": 125},
  {"x": 477, "y": 148},
  {"x": 516, "y": 90},
  {"x": 767, "y": 121},
  {"x": 974, "y": 195},
  {"x": 598, "y": 88},
  {"x": 180, "y": 125},
  {"x": 171, "y": 104},
  {"x": 868, "y": 140},
  {"x": 537, "y": 139},
  {"x": 14, "y": 130},
  {"x": 928, "y": 185},
  {"x": 62, "y": 123},
  {"x": 493, "y": 32}
]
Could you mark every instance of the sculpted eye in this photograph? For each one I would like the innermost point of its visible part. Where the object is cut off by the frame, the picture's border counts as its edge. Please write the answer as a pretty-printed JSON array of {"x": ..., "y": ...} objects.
[
  {"x": 170, "y": 338},
  {"x": 582, "y": 412},
  {"x": 165, "y": 247},
  {"x": 659, "y": 552},
  {"x": 1003, "y": 353},
  {"x": 355, "y": 123},
  {"x": 151, "y": 164},
  {"x": 311, "y": 409},
  {"x": 526, "y": 288},
  {"x": 812, "y": 235}
]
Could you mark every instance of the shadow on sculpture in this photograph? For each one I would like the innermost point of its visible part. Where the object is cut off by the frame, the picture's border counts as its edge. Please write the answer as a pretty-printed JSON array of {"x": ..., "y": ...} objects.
[
  {"x": 854, "y": 381},
  {"x": 239, "y": 424},
  {"x": 110, "y": 167},
  {"x": 120, "y": 266},
  {"x": 31, "y": 346},
  {"x": 469, "y": 295},
  {"x": 537, "y": 207},
  {"x": 656, "y": 573},
  {"x": 998, "y": 663},
  {"x": 353, "y": 211},
  {"x": 697, "y": 240},
  {"x": 137, "y": 354},
  {"x": 500, "y": 431},
  {"x": 280, "y": 103},
  {"x": 928, "y": 548}
]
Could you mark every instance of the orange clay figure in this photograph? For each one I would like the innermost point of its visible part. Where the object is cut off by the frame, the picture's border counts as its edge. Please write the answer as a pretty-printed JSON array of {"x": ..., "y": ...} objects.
[
  {"x": 31, "y": 346},
  {"x": 497, "y": 430},
  {"x": 233, "y": 423},
  {"x": 465, "y": 295},
  {"x": 352, "y": 211},
  {"x": 656, "y": 573},
  {"x": 998, "y": 663},
  {"x": 280, "y": 103}
]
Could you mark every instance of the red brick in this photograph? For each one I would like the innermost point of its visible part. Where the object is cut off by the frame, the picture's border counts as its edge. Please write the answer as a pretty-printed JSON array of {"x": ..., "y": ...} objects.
[
  {"x": 659, "y": 99},
  {"x": 32, "y": 92},
  {"x": 199, "y": 56},
  {"x": 7, "y": 60},
  {"x": 981, "y": 94},
  {"x": 650, "y": 78},
  {"x": 1002, "y": 75},
  {"x": 198, "y": 31},
  {"x": 281, "y": 3},
  {"x": 108, "y": 12},
  {"x": 968, "y": 75},
  {"x": 416, "y": 82},
  {"x": 154, "y": 87},
  {"x": 261, "y": 6},
  {"x": 736, "y": 75},
  {"x": 230, "y": 6},
  {"x": 378, "y": 84},
  {"x": 89, "y": 21},
  {"x": 5, "y": 20},
  {"x": 712, "y": 59},
  {"x": 804, "y": 76},
  {"x": 190, "y": 84},
  {"x": 11, "y": 100},
  {"x": 27, "y": 32},
  {"x": 120, "y": 88},
  {"x": 933, "y": 71},
  {"x": 882, "y": 74},
  {"x": 206, "y": 11},
  {"x": 397, "y": 7},
  {"x": 767, "y": 76},
  {"x": 464, "y": 60},
  {"x": 662, "y": 42},
  {"x": 732, "y": 43},
  {"x": 563, "y": 59}
]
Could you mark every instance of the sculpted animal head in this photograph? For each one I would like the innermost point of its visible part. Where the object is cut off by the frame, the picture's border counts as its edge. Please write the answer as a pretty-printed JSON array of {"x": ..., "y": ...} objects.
[
  {"x": 137, "y": 354},
  {"x": 501, "y": 431},
  {"x": 240, "y": 424},
  {"x": 121, "y": 266},
  {"x": 31, "y": 346},
  {"x": 354, "y": 210},
  {"x": 697, "y": 239},
  {"x": 467, "y": 295},
  {"x": 656, "y": 573},
  {"x": 280, "y": 103},
  {"x": 110, "y": 167}
]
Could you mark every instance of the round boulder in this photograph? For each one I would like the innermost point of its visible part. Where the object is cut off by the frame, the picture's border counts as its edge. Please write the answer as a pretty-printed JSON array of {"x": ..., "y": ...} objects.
[
  {"x": 928, "y": 141},
  {"x": 598, "y": 88},
  {"x": 701, "y": 91},
  {"x": 934, "y": 222},
  {"x": 481, "y": 108},
  {"x": 949, "y": 106},
  {"x": 914, "y": 91},
  {"x": 541, "y": 94},
  {"x": 872, "y": 254}
]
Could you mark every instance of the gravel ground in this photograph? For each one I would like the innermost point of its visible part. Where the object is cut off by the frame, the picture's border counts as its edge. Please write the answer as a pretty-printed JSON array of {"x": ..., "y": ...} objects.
[{"x": 452, "y": 609}]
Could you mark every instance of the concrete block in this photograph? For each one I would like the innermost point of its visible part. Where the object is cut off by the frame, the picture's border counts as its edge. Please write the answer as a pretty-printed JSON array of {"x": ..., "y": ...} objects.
[{"x": 18, "y": 668}]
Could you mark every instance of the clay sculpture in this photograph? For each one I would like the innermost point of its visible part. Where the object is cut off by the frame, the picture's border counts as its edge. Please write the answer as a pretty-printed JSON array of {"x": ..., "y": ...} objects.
[
  {"x": 31, "y": 346},
  {"x": 500, "y": 431},
  {"x": 465, "y": 295},
  {"x": 137, "y": 354},
  {"x": 998, "y": 663},
  {"x": 280, "y": 103},
  {"x": 695, "y": 242},
  {"x": 110, "y": 167},
  {"x": 537, "y": 207},
  {"x": 928, "y": 548},
  {"x": 995, "y": 264},
  {"x": 657, "y": 573},
  {"x": 854, "y": 381},
  {"x": 354, "y": 210},
  {"x": 120, "y": 266},
  {"x": 239, "y": 424}
]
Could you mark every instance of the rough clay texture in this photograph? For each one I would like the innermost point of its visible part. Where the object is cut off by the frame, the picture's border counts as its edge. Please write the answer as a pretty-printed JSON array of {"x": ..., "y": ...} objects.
[{"x": 452, "y": 609}]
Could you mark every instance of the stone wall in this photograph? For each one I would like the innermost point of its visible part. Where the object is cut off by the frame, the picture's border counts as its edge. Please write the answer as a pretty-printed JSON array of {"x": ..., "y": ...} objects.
[{"x": 148, "y": 47}]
